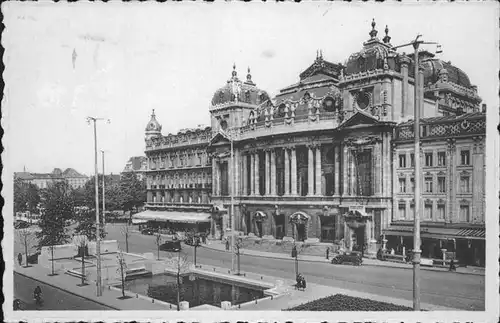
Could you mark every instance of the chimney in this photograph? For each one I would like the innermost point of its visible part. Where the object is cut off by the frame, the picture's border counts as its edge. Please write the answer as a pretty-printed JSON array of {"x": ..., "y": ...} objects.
[{"x": 483, "y": 108}]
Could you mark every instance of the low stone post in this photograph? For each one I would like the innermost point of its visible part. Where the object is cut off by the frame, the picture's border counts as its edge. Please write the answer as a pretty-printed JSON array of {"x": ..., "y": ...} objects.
[
  {"x": 444, "y": 254},
  {"x": 184, "y": 306},
  {"x": 404, "y": 251},
  {"x": 384, "y": 243},
  {"x": 225, "y": 305}
]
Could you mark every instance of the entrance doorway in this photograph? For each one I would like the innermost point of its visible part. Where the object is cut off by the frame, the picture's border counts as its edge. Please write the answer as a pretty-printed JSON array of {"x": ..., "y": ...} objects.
[
  {"x": 327, "y": 228},
  {"x": 280, "y": 226},
  {"x": 259, "y": 228},
  {"x": 301, "y": 231},
  {"x": 358, "y": 238}
]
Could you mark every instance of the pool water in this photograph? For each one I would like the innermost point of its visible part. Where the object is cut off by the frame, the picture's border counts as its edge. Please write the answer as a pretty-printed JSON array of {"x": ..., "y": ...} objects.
[{"x": 194, "y": 289}]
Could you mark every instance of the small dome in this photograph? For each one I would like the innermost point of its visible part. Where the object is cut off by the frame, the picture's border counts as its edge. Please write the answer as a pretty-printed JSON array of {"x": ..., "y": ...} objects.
[
  {"x": 434, "y": 67},
  {"x": 237, "y": 91},
  {"x": 153, "y": 124}
]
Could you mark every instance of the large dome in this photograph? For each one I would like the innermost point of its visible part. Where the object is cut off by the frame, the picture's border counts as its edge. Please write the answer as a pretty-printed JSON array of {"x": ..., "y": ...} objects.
[
  {"x": 238, "y": 91},
  {"x": 433, "y": 67}
]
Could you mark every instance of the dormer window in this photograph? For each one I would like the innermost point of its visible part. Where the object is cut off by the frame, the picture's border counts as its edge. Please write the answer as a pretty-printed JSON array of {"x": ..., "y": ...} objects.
[
  {"x": 223, "y": 124},
  {"x": 247, "y": 96},
  {"x": 329, "y": 104},
  {"x": 307, "y": 96},
  {"x": 363, "y": 100}
]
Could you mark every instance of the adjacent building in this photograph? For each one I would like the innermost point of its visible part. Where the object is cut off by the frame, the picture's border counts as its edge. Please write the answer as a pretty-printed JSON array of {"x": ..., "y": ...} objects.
[
  {"x": 329, "y": 159},
  {"x": 137, "y": 165},
  {"x": 43, "y": 180}
]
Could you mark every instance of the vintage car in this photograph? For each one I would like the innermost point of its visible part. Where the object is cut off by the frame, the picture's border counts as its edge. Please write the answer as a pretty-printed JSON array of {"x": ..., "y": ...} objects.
[
  {"x": 352, "y": 258},
  {"x": 172, "y": 246},
  {"x": 149, "y": 231}
]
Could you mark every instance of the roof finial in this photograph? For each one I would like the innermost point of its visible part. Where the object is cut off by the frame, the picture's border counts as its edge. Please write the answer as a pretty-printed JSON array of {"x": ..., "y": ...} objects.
[
  {"x": 387, "y": 38},
  {"x": 249, "y": 76},
  {"x": 317, "y": 53},
  {"x": 153, "y": 114},
  {"x": 373, "y": 32},
  {"x": 321, "y": 53},
  {"x": 234, "y": 70}
]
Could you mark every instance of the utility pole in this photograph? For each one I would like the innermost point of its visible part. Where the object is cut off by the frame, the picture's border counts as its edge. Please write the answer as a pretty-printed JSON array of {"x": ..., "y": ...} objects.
[
  {"x": 418, "y": 104},
  {"x": 103, "y": 194},
  {"x": 98, "y": 226},
  {"x": 233, "y": 184}
]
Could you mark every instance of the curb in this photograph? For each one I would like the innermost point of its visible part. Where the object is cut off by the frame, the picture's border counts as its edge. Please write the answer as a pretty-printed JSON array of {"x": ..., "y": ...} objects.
[
  {"x": 372, "y": 265},
  {"x": 67, "y": 291}
]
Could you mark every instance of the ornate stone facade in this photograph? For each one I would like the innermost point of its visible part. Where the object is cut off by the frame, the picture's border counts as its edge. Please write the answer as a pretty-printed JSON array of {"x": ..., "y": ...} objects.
[{"x": 319, "y": 161}]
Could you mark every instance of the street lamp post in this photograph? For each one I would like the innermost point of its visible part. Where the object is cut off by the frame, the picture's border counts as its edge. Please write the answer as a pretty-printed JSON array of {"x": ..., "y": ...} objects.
[
  {"x": 103, "y": 194},
  {"x": 98, "y": 227},
  {"x": 417, "y": 196},
  {"x": 233, "y": 182}
]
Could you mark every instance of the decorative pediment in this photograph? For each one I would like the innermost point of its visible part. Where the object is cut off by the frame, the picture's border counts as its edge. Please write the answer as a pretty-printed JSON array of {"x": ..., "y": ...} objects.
[
  {"x": 259, "y": 216},
  {"x": 428, "y": 202},
  {"x": 299, "y": 218},
  {"x": 359, "y": 118},
  {"x": 428, "y": 174},
  {"x": 219, "y": 139},
  {"x": 402, "y": 202},
  {"x": 441, "y": 202},
  {"x": 464, "y": 173},
  {"x": 441, "y": 173},
  {"x": 401, "y": 175}
]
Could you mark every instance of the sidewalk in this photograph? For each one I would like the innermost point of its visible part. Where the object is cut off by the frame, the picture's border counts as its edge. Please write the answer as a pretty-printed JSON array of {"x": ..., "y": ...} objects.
[
  {"x": 219, "y": 246},
  {"x": 109, "y": 297}
]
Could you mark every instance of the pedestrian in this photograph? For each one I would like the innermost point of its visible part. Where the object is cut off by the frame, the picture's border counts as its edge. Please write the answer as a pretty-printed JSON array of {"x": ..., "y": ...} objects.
[
  {"x": 327, "y": 252},
  {"x": 452, "y": 265},
  {"x": 303, "y": 283},
  {"x": 227, "y": 244},
  {"x": 20, "y": 258}
]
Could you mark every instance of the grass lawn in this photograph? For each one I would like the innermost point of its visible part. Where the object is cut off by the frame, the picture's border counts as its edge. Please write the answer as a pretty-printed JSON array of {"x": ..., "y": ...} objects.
[{"x": 339, "y": 302}]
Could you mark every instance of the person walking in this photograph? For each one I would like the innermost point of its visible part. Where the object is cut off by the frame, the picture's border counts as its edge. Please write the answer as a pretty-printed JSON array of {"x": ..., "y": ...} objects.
[
  {"x": 227, "y": 244},
  {"x": 327, "y": 252},
  {"x": 452, "y": 265},
  {"x": 20, "y": 258}
]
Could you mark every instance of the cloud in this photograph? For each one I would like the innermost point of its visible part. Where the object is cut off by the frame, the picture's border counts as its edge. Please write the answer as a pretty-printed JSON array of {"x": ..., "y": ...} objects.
[{"x": 268, "y": 53}]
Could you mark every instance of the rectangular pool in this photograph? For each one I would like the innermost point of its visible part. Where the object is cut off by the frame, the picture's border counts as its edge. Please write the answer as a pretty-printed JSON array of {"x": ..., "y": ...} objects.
[{"x": 194, "y": 289}]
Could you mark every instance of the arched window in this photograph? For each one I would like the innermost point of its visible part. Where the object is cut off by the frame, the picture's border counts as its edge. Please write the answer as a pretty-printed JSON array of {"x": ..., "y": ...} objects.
[
  {"x": 223, "y": 124},
  {"x": 329, "y": 104},
  {"x": 281, "y": 111}
]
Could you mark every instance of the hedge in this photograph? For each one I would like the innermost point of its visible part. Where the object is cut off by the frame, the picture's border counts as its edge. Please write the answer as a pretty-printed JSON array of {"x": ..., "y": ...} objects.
[{"x": 340, "y": 302}]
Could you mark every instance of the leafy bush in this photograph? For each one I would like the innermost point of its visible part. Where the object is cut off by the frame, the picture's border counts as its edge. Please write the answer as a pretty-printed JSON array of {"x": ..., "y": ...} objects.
[{"x": 339, "y": 302}]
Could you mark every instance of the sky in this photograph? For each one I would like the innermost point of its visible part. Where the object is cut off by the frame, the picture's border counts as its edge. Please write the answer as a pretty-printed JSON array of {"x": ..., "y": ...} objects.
[{"x": 65, "y": 62}]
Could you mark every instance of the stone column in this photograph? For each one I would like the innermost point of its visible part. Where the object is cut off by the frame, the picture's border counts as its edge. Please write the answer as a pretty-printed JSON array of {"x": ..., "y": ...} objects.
[
  {"x": 214, "y": 175},
  {"x": 337, "y": 170},
  {"x": 477, "y": 180},
  {"x": 149, "y": 196},
  {"x": 219, "y": 182},
  {"x": 451, "y": 191},
  {"x": 287, "y": 173},
  {"x": 237, "y": 175},
  {"x": 244, "y": 175},
  {"x": 318, "y": 170},
  {"x": 294, "y": 171},
  {"x": 404, "y": 88},
  {"x": 310, "y": 171},
  {"x": 268, "y": 172},
  {"x": 345, "y": 172},
  {"x": 256, "y": 174},
  {"x": 378, "y": 169},
  {"x": 273, "y": 172},
  {"x": 252, "y": 173}
]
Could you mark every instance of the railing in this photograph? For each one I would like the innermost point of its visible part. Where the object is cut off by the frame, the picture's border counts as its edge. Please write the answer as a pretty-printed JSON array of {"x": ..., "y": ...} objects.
[{"x": 443, "y": 130}]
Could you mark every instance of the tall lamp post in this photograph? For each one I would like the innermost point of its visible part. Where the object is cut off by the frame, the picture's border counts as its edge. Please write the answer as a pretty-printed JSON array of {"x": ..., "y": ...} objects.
[
  {"x": 103, "y": 193},
  {"x": 98, "y": 226},
  {"x": 418, "y": 103}
]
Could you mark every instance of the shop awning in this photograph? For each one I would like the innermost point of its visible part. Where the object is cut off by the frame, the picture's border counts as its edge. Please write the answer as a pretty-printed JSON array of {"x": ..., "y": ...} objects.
[
  {"x": 138, "y": 221},
  {"x": 437, "y": 233},
  {"x": 172, "y": 216},
  {"x": 260, "y": 215}
]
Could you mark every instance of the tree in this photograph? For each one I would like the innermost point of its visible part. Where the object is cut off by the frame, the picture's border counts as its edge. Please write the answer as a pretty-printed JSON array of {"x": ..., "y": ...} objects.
[
  {"x": 158, "y": 243},
  {"x": 28, "y": 240},
  {"x": 26, "y": 196},
  {"x": 57, "y": 208},
  {"x": 87, "y": 224},
  {"x": 79, "y": 196},
  {"x": 81, "y": 243},
  {"x": 133, "y": 191},
  {"x": 181, "y": 266},
  {"x": 122, "y": 271},
  {"x": 113, "y": 193},
  {"x": 237, "y": 246},
  {"x": 125, "y": 230}
]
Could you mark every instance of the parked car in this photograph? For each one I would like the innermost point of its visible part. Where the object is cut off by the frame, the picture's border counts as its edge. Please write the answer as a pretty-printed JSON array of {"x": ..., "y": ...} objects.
[
  {"x": 352, "y": 258},
  {"x": 174, "y": 245},
  {"x": 149, "y": 231},
  {"x": 20, "y": 224},
  {"x": 192, "y": 240}
]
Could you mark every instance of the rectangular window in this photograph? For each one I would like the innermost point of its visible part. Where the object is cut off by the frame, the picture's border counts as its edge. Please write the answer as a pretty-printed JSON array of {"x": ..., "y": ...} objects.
[
  {"x": 441, "y": 184},
  {"x": 464, "y": 184},
  {"x": 402, "y": 185},
  {"x": 402, "y": 211},
  {"x": 440, "y": 212},
  {"x": 464, "y": 213},
  {"x": 465, "y": 157},
  {"x": 412, "y": 211},
  {"x": 428, "y": 211},
  {"x": 402, "y": 161},
  {"x": 428, "y": 159},
  {"x": 428, "y": 185},
  {"x": 412, "y": 184},
  {"x": 441, "y": 158},
  {"x": 412, "y": 160}
]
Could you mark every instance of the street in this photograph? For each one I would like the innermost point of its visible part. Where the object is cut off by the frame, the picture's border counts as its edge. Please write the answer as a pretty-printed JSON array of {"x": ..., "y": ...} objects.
[
  {"x": 456, "y": 290},
  {"x": 53, "y": 298},
  {"x": 441, "y": 288}
]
